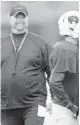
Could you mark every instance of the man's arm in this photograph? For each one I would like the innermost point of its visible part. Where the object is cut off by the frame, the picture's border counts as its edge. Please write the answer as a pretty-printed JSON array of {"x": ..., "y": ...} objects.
[
  {"x": 58, "y": 92},
  {"x": 47, "y": 49},
  {"x": 57, "y": 89}
]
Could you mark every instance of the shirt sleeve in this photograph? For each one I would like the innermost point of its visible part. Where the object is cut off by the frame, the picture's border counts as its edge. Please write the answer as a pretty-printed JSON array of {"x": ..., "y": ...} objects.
[
  {"x": 57, "y": 90},
  {"x": 46, "y": 52},
  {"x": 61, "y": 61}
]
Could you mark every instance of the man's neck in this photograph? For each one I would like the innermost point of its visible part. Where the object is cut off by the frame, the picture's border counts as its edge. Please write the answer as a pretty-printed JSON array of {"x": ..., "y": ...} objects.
[
  {"x": 18, "y": 35},
  {"x": 18, "y": 39}
]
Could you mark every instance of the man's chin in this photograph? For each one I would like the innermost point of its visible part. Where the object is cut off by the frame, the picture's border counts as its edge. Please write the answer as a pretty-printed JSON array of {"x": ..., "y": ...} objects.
[{"x": 19, "y": 31}]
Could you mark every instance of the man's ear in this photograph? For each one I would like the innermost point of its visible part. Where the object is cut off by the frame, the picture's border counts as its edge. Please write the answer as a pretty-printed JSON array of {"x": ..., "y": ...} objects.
[{"x": 12, "y": 20}]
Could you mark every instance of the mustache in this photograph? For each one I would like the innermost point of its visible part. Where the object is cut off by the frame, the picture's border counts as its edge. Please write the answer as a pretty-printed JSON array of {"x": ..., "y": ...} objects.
[{"x": 20, "y": 23}]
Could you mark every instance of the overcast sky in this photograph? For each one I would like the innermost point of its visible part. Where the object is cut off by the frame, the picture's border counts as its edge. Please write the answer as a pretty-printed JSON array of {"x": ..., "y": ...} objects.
[{"x": 39, "y": 11}]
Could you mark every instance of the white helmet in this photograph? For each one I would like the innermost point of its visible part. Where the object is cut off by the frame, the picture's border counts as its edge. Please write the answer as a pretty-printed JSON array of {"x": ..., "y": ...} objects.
[{"x": 69, "y": 24}]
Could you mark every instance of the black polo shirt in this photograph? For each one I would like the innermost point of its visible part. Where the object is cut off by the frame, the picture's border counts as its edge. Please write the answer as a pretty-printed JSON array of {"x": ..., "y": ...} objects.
[{"x": 23, "y": 80}]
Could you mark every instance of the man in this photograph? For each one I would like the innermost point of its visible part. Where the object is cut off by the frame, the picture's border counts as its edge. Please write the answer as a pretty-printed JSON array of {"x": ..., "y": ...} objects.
[
  {"x": 24, "y": 61},
  {"x": 64, "y": 78}
]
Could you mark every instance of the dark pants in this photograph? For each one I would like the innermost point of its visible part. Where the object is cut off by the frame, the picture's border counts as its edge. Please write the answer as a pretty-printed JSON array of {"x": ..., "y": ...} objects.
[{"x": 24, "y": 116}]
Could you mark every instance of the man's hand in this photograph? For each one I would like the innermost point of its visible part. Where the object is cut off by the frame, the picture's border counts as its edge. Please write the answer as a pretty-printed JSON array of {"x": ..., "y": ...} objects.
[{"x": 74, "y": 109}]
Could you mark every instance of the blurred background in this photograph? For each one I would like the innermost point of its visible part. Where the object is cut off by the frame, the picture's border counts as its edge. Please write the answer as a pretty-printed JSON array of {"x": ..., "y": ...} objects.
[{"x": 43, "y": 17}]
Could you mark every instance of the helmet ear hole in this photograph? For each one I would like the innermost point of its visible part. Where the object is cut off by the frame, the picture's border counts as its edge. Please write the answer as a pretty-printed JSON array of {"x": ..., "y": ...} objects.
[
  {"x": 71, "y": 29},
  {"x": 63, "y": 20}
]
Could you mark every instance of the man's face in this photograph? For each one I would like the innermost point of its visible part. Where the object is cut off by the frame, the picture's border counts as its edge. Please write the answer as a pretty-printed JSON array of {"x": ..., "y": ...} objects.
[{"x": 19, "y": 22}]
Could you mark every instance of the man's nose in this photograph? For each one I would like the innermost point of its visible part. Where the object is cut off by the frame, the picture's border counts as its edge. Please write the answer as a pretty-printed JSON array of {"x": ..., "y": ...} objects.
[{"x": 20, "y": 20}]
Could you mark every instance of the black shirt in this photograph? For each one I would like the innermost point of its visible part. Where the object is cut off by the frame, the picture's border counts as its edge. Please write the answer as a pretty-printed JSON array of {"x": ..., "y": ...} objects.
[
  {"x": 64, "y": 79},
  {"x": 23, "y": 79}
]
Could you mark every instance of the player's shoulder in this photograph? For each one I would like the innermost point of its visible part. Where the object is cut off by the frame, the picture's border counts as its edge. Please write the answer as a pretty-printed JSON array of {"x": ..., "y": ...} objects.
[
  {"x": 65, "y": 46},
  {"x": 60, "y": 44}
]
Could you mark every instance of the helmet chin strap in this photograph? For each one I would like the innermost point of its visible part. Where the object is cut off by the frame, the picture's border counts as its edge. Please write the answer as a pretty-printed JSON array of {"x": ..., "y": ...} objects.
[{"x": 15, "y": 31}]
